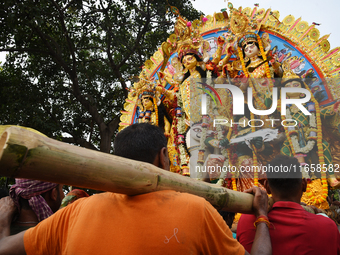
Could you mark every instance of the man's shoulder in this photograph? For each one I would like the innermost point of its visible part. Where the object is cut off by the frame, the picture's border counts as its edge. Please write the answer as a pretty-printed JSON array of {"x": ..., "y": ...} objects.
[
  {"x": 311, "y": 221},
  {"x": 247, "y": 218},
  {"x": 175, "y": 196},
  {"x": 245, "y": 223},
  {"x": 170, "y": 195},
  {"x": 322, "y": 221}
]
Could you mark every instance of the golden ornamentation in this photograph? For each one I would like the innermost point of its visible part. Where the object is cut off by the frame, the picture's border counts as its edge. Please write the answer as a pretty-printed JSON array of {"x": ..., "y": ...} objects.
[
  {"x": 302, "y": 26},
  {"x": 148, "y": 64},
  {"x": 288, "y": 72},
  {"x": 247, "y": 11},
  {"x": 260, "y": 13},
  {"x": 289, "y": 20},
  {"x": 210, "y": 19},
  {"x": 325, "y": 45},
  {"x": 195, "y": 24},
  {"x": 314, "y": 34},
  {"x": 336, "y": 60},
  {"x": 172, "y": 38},
  {"x": 238, "y": 23},
  {"x": 274, "y": 16},
  {"x": 157, "y": 55}
]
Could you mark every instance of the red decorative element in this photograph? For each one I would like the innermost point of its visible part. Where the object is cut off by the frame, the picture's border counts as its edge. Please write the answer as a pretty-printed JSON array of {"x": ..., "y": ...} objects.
[
  {"x": 180, "y": 139},
  {"x": 230, "y": 50},
  {"x": 220, "y": 40},
  {"x": 263, "y": 219},
  {"x": 213, "y": 90},
  {"x": 336, "y": 106},
  {"x": 242, "y": 77},
  {"x": 212, "y": 67},
  {"x": 234, "y": 156}
]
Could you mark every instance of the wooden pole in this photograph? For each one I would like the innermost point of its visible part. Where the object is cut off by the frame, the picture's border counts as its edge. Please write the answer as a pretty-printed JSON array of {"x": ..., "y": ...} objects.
[{"x": 25, "y": 154}]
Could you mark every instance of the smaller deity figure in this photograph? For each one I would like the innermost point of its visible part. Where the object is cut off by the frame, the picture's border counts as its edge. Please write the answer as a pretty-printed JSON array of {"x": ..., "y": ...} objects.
[
  {"x": 254, "y": 66},
  {"x": 304, "y": 139},
  {"x": 258, "y": 66},
  {"x": 240, "y": 147},
  {"x": 150, "y": 108},
  {"x": 180, "y": 98},
  {"x": 214, "y": 167},
  {"x": 191, "y": 51}
]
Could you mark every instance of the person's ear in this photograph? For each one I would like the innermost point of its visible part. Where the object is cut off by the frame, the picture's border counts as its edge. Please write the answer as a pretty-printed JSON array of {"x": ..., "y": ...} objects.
[
  {"x": 54, "y": 194},
  {"x": 266, "y": 186},
  {"x": 164, "y": 159},
  {"x": 304, "y": 185}
]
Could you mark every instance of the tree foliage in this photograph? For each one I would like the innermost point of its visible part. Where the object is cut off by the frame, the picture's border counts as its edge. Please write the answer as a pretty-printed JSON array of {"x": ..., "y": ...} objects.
[{"x": 70, "y": 61}]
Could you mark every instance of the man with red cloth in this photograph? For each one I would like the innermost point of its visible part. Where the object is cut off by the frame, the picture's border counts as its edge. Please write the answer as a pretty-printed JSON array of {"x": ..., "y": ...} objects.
[
  {"x": 292, "y": 229},
  {"x": 35, "y": 201}
]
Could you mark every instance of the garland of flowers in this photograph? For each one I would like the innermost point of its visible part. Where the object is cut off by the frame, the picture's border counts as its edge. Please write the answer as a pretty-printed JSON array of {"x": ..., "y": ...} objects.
[
  {"x": 255, "y": 161},
  {"x": 293, "y": 134},
  {"x": 175, "y": 131},
  {"x": 264, "y": 56},
  {"x": 289, "y": 140},
  {"x": 156, "y": 110},
  {"x": 233, "y": 179},
  {"x": 180, "y": 137},
  {"x": 320, "y": 154},
  {"x": 200, "y": 159},
  {"x": 201, "y": 151},
  {"x": 224, "y": 153},
  {"x": 319, "y": 146}
]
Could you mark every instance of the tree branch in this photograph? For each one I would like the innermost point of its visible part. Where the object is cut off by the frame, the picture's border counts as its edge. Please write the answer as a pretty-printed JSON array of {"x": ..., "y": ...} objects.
[
  {"x": 69, "y": 42},
  {"x": 79, "y": 141},
  {"x": 113, "y": 124},
  {"x": 24, "y": 50}
]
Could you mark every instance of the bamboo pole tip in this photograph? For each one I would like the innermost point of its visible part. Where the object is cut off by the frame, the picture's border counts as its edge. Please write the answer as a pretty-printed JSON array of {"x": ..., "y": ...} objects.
[{"x": 3, "y": 142}]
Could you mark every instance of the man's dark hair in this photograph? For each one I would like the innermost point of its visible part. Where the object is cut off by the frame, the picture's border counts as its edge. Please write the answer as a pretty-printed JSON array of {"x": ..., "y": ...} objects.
[
  {"x": 287, "y": 180},
  {"x": 24, "y": 204},
  {"x": 140, "y": 142},
  {"x": 228, "y": 217},
  {"x": 3, "y": 192}
]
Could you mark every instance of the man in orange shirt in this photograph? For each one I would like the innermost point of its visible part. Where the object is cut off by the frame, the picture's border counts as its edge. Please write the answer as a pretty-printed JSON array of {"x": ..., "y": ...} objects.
[{"x": 162, "y": 222}]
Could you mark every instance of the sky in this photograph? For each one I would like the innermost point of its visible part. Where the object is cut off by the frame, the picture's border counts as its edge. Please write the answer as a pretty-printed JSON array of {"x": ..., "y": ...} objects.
[{"x": 325, "y": 12}]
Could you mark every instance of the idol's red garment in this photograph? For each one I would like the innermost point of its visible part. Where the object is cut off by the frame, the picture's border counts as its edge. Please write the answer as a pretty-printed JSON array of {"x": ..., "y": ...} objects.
[{"x": 293, "y": 231}]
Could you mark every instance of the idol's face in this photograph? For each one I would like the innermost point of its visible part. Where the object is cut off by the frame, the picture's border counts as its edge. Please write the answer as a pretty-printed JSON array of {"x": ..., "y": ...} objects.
[
  {"x": 147, "y": 102},
  {"x": 189, "y": 62},
  {"x": 293, "y": 84},
  {"x": 251, "y": 50}
]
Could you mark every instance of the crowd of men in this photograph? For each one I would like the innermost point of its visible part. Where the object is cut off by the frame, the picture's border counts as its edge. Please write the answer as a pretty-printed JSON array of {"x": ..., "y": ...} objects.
[{"x": 161, "y": 222}]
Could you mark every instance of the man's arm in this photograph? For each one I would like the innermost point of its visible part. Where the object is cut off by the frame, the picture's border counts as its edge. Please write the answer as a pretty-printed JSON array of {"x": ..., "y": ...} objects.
[
  {"x": 13, "y": 245},
  {"x": 9, "y": 244},
  {"x": 262, "y": 244}
]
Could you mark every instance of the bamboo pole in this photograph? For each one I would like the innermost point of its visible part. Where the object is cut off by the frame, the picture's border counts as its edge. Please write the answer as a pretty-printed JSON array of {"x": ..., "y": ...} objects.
[{"x": 25, "y": 154}]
